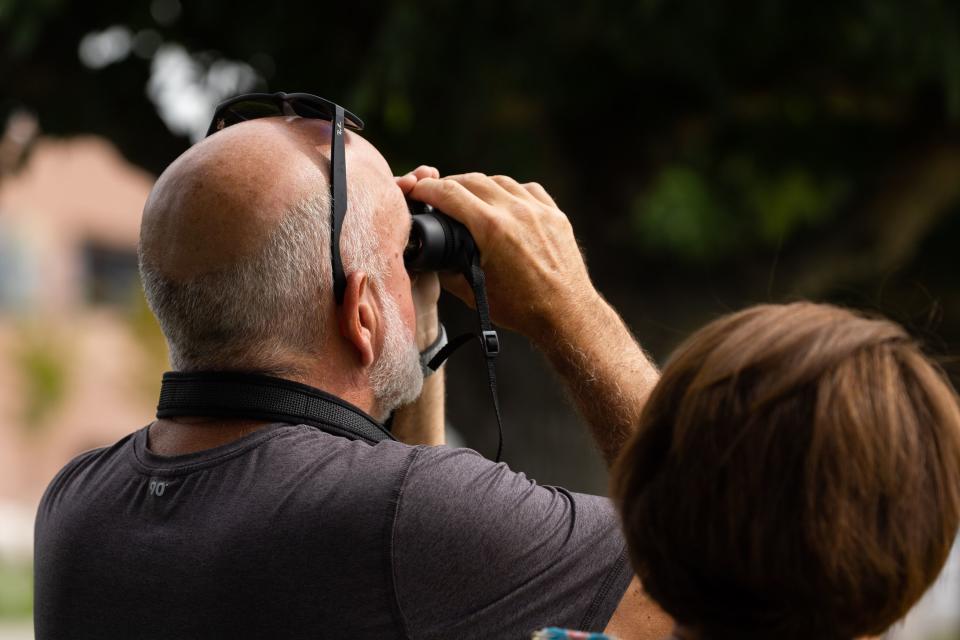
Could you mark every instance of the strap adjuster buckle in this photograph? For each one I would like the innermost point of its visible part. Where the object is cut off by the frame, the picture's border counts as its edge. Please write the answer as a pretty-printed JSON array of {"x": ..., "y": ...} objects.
[{"x": 491, "y": 343}]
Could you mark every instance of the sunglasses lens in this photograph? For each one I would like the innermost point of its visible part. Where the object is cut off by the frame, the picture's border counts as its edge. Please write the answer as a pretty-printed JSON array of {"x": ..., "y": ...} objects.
[
  {"x": 268, "y": 106},
  {"x": 311, "y": 110},
  {"x": 245, "y": 110}
]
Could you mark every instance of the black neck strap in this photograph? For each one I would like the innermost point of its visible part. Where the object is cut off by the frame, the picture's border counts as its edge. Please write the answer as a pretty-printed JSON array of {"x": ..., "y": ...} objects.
[
  {"x": 217, "y": 394},
  {"x": 338, "y": 202},
  {"x": 489, "y": 340}
]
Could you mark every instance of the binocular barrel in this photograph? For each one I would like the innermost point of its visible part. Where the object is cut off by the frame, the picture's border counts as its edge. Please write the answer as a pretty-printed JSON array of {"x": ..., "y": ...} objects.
[{"x": 437, "y": 241}]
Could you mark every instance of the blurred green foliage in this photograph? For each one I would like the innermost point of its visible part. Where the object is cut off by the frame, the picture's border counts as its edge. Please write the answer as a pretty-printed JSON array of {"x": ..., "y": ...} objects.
[
  {"x": 691, "y": 215},
  {"x": 146, "y": 331},
  {"x": 42, "y": 362},
  {"x": 16, "y": 590}
]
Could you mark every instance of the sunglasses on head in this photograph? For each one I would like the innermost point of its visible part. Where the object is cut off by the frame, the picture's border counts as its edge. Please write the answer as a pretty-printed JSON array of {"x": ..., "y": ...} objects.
[{"x": 252, "y": 106}]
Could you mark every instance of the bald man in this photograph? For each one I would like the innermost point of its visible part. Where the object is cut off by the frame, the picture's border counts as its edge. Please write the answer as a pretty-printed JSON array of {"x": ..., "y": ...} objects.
[{"x": 200, "y": 526}]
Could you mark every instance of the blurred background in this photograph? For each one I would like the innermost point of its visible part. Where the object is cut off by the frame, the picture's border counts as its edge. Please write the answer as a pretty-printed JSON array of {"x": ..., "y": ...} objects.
[{"x": 710, "y": 155}]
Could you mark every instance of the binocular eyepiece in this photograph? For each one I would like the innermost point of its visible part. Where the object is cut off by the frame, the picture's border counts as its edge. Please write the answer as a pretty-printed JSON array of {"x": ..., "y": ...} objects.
[{"x": 437, "y": 241}]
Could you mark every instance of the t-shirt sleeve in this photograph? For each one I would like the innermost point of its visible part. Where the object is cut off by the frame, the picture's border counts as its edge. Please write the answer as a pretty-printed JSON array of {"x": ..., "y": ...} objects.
[{"x": 479, "y": 550}]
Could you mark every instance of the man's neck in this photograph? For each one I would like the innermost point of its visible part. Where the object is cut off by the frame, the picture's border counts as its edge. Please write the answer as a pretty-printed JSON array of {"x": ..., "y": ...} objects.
[
  {"x": 179, "y": 436},
  {"x": 349, "y": 384}
]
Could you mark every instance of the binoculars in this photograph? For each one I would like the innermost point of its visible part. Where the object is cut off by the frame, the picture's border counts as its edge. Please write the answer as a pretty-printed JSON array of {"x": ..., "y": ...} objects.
[{"x": 437, "y": 241}]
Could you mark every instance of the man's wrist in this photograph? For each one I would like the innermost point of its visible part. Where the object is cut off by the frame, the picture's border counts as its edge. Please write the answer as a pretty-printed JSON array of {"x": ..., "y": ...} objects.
[{"x": 427, "y": 355}]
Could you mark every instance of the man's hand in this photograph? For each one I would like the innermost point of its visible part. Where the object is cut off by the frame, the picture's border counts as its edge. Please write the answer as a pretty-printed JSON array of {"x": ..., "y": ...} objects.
[
  {"x": 422, "y": 421},
  {"x": 538, "y": 285},
  {"x": 533, "y": 265},
  {"x": 408, "y": 181}
]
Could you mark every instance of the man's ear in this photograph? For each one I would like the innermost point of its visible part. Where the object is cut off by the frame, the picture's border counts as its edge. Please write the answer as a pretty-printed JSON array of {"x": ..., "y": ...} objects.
[{"x": 359, "y": 317}]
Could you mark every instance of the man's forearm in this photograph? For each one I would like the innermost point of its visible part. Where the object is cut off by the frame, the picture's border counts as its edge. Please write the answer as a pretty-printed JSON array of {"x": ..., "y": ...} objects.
[
  {"x": 422, "y": 421},
  {"x": 608, "y": 373}
]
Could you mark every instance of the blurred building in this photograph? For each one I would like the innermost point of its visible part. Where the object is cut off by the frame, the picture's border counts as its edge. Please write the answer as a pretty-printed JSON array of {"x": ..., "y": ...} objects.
[{"x": 79, "y": 352}]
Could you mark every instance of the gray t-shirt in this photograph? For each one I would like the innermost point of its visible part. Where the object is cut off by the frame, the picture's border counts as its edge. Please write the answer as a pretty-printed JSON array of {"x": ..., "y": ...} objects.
[{"x": 291, "y": 532}]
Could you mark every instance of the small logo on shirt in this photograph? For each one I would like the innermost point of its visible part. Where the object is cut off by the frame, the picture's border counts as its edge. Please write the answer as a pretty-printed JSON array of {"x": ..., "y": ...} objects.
[{"x": 157, "y": 487}]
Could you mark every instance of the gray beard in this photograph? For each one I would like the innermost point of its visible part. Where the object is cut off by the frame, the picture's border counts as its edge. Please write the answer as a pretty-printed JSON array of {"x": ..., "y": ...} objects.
[{"x": 396, "y": 378}]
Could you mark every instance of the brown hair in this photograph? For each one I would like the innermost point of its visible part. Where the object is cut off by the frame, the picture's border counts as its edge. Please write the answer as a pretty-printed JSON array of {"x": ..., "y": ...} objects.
[{"x": 795, "y": 474}]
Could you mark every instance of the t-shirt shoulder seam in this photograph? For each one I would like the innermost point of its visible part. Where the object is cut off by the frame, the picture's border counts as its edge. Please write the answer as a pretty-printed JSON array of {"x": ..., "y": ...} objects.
[
  {"x": 605, "y": 586},
  {"x": 398, "y": 610},
  {"x": 72, "y": 465}
]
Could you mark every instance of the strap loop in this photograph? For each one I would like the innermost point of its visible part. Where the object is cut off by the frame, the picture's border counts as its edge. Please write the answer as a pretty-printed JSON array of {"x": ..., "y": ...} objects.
[{"x": 491, "y": 344}]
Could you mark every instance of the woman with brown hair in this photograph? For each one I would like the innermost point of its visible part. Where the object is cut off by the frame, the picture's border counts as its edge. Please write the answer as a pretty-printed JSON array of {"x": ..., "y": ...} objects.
[{"x": 795, "y": 474}]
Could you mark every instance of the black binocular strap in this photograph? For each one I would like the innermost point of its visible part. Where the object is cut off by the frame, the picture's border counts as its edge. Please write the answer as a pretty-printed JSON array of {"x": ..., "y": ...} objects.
[
  {"x": 489, "y": 341},
  {"x": 219, "y": 394}
]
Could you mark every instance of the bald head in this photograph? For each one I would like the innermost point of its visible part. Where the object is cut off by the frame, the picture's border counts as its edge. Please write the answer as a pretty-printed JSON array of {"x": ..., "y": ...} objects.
[
  {"x": 235, "y": 241},
  {"x": 219, "y": 203}
]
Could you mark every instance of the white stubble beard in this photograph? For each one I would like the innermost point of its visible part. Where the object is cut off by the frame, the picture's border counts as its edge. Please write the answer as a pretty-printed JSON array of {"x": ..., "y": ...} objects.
[{"x": 396, "y": 378}]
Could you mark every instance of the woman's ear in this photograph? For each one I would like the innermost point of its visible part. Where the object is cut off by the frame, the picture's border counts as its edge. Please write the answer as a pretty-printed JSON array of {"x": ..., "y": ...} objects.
[{"x": 359, "y": 317}]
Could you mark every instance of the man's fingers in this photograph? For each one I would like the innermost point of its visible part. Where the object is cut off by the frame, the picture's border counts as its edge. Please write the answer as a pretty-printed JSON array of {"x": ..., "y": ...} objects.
[
  {"x": 539, "y": 193},
  {"x": 512, "y": 186},
  {"x": 455, "y": 199},
  {"x": 425, "y": 171},
  {"x": 483, "y": 187},
  {"x": 406, "y": 182}
]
